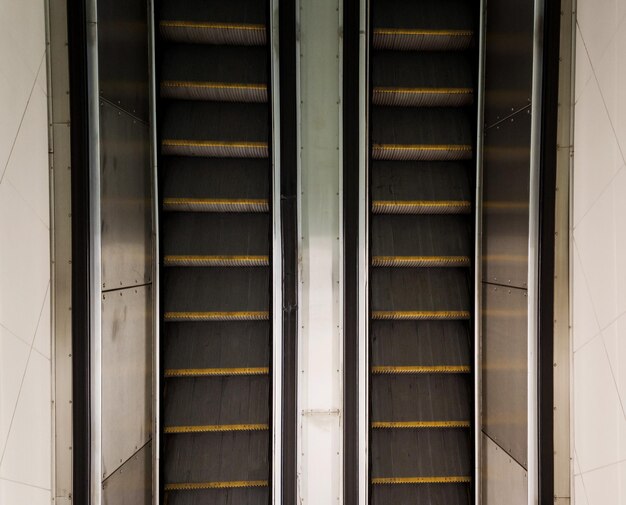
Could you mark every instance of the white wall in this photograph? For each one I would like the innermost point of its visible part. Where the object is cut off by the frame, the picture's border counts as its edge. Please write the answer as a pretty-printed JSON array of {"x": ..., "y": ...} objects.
[
  {"x": 25, "y": 372},
  {"x": 599, "y": 254}
]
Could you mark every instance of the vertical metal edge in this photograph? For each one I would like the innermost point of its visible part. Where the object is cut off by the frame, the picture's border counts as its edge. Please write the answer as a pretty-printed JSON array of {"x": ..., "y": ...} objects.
[
  {"x": 156, "y": 262},
  {"x": 363, "y": 257},
  {"x": 95, "y": 284},
  {"x": 562, "y": 345},
  {"x": 533, "y": 256},
  {"x": 52, "y": 239},
  {"x": 277, "y": 301},
  {"x": 478, "y": 262}
]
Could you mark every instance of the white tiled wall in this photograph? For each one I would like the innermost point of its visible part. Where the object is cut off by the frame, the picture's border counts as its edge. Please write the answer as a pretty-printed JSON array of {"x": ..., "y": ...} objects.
[
  {"x": 25, "y": 371},
  {"x": 599, "y": 254}
]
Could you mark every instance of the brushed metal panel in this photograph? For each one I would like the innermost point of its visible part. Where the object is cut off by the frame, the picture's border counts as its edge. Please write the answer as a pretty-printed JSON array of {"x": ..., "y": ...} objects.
[
  {"x": 123, "y": 54},
  {"x": 505, "y": 201},
  {"x": 505, "y": 393},
  {"x": 126, "y": 200},
  {"x": 504, "y": 480},
  {"x": 126, "y": 374},
  {"x": 509, "y": 58},
  {"x": 131, "y": 484}
]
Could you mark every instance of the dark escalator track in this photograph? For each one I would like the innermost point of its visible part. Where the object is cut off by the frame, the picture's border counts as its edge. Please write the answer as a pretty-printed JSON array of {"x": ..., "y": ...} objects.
[
  {"x": 422, "y": 123},
  {"x": 215, "y": 244}
]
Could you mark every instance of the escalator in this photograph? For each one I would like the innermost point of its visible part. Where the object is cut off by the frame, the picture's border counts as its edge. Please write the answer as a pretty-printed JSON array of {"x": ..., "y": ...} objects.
[
  {"x": 422, "y": 122},
  {"x": 213, "y": 69}
]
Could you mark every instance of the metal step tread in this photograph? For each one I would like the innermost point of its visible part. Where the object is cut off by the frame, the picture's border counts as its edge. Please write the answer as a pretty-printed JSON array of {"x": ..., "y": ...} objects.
[
  {"x": 214, "y": 428},
  {"x": 214, "y": 91},
  {"x": 421, "y": 315},
  {"x": 214, "y": 148},
  {"x": 451, "y": 479},
  {"x": 215, "y": 372},
  {"x": 381, "y": 425},
  {"x": 422, "y": 97},
  {"x": 216, "y": 261},
  {"x": 198, "y": 32},
  {"x": 217, "y": 316},
  {"x": 419, "y": 369},
  {"x": 421, "y": 206},
  {"x": 192, "y": 486},
  {"x": 422, "y": 152},
  {"x": 420, "y": 261},
  {"x": 216, "y": 204}
]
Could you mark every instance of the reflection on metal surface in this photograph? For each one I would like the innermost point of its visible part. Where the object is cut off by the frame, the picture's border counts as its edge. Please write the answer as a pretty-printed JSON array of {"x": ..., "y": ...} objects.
[
  {"x": 505, "y": 213},
  {"x": 503, "y": 479},
  {"x": 505, "y": 368},
  {"x": 131, "y": 483},
  {"x": 125, "y": 200},
  {"x": 126, "y": 374}
]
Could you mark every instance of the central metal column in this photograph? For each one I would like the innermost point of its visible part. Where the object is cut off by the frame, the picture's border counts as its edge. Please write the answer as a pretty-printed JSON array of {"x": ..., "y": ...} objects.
[{"x": 320, "y": 245}]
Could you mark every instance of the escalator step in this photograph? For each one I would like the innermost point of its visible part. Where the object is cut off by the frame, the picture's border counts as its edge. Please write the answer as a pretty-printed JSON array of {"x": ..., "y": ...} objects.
[
  {"x": 214, "y": 91},
  {"x": 215, "y": 372},
  {"x": 420, "y": 369},
  {"x": 404, "y": 39},
  {"x": 421, "y": 207},
  {"x": 421, "y": 315},
  {"x": 215, "y": 428},
  {"x": 215, "y": 205},
  {"x": 195, "y": 32},
  {"x": 214, "y": 148},
  {"x": 216, "y": 261},
  {"x": 192, "y": 486},
  {"x": 421, "y": 152},
  {"x": 419, "y": 261},
  {"x": 453, "y": 479},
  {"x": 217, "y": 316},
  {"x": 422, "y": 97},
  {"x": 382, "y": 425}
]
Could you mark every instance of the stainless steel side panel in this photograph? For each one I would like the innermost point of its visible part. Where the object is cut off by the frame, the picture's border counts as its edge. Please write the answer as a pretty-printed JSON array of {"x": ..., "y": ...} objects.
[
  {"x": 505, "y": 201},
  {"x": 127, "y": 375},
  {"x": 505, "y": 368},
  {"x": 504, "y": 481},
  {"x": 130, "y": 484},
  {"x": 123, "y": 54},
  {"x": 509, "y": 58},
  {"x": 126, "y": 205}
]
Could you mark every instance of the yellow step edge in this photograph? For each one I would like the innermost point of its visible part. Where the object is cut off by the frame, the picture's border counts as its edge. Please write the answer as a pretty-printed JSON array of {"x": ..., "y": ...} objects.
[
  {"x": 214, "y": 26},
  {"x": 217, "y": 316},
  {"x": 424, "y": 91},
  {"x": 402, "y": 370},
  {"x": 420, "y": 314},
  {"x": 233, "y": 484},
  {"x": 213, "y": 143},
  {"x": 422, "y": 147},
  {"x": 215, "y": 428},
  {"x": 419, "y": 424},
  {"x": 183, "y": 260},
  {"x": 215, "y": 372},
  {"x": 420, "y": 261},
  {"x": 233, "y": 201},
  {"x": 212, "y": 85},
  {"x": 438, "y": 33},
  {"x": 456, "y": 479}
]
